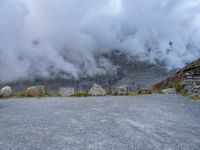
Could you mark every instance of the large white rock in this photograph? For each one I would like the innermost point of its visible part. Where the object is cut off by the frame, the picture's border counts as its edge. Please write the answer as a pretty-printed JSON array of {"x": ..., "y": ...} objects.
[
  {"x": 169, "y": 91},
  {"x": 97, "y": 90},
  {"x": 37, "y": 91},
  {"x": 65, "y": 92},
  {"x": 6, "y": 91}
]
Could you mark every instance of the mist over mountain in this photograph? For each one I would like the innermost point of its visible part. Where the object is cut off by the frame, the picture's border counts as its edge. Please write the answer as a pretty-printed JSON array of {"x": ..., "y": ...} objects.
[
  {"x": 123, "y": 69},
  {"x": 66, "y": 38}
]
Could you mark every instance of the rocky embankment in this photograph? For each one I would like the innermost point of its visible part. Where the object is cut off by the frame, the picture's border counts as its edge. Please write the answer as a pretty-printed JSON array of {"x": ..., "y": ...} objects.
[{"x": 186, "y": 81}]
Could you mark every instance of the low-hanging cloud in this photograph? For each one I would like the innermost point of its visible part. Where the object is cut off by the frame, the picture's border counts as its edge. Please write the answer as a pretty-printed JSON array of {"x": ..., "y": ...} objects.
[{"x": 47, "y": 37}]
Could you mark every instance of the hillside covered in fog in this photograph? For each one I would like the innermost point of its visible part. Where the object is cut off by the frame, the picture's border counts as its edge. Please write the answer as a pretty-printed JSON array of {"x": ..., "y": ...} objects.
[{"x": 50, "y": 39}]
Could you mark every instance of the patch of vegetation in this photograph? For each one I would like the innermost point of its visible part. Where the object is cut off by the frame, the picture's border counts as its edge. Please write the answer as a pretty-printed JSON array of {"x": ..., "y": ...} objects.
[
  {"x": 198, "y": 99},
  {"x": 171, "y": 82},
  {"x": 19, "y": 94},
  {"x": 167, "y": 83},
  {"x": 156, "y": 91},
  {"x": 112, "y": 94},
  {"x": 52, "y": 94},
  {"x": 133, "y": 94},
  {"x": 179, "y": 88},
  {"x": 81, "y": 94}
]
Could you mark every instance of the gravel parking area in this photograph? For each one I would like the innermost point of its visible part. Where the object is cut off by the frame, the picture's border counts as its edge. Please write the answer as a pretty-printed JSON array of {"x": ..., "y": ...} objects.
[{"x": 153, "y": 122}]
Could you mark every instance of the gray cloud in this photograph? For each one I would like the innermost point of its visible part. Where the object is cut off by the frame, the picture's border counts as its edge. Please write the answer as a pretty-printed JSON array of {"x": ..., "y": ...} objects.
[{"x": 45, "y": 37}]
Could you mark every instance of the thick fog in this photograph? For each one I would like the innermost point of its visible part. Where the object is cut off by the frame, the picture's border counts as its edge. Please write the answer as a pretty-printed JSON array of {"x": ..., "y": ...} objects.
[{"x": 47, "y": 37}]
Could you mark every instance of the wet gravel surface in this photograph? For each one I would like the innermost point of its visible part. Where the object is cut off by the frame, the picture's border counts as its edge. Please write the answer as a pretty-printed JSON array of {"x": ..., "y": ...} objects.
[{"x": 167, "y": 122}]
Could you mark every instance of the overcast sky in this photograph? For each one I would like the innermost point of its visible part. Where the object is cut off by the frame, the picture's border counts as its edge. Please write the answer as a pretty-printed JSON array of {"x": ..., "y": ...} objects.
[{"x": 41, "y": 37}]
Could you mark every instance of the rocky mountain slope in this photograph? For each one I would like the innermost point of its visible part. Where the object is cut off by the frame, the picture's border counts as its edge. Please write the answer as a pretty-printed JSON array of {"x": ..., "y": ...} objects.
[
  {"x": 186, "y": 81},
  {"x": 126, "y": 70}
]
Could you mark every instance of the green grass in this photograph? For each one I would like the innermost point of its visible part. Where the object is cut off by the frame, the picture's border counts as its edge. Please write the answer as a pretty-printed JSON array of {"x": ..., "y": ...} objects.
[
  {"x": 81, "y": 94},
  {"x": 198, "y": 99},
  {"x": 56, "y": 94},
  {"x": 19, "y": 94},
  {"x": 133, "y": 94},
  {"x": 15, "y": 95},
  {"x": 174, "y": 85},
  {"x": 111, "y": 94},
  {"x": 52, "y": 94},
  {"x": 179, "y": 88}
]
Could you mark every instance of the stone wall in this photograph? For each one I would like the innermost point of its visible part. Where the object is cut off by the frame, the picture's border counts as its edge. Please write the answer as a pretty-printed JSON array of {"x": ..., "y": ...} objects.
[{"x": 191, "y": 82}]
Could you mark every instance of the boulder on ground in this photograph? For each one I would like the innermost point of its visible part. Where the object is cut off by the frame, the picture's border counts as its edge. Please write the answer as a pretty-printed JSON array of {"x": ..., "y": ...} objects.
[
  {"x": 36, "y": 91},
  {"x": 97, "y": 90},
  {"x": 169, "y": 91},
  {"x": 144, "y": 91},
  {"x": 122, "y": 90},
  {"x": 6, "y": 91},
  {"x": 65, "y": 92}
]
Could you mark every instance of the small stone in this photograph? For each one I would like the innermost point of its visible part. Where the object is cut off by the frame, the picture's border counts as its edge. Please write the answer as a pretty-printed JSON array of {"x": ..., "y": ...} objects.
[
  {"x": 169, "y": 91},
  {"x": 122, "y": 90},
  {"x": 194, "y": 95},
  {"x": 144, "y": 91}
]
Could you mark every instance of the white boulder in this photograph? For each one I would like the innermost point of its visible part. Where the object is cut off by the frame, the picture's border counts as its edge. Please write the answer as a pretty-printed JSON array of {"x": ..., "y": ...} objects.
[
  {"x": 37, "y": 91},
  {"x": 169, "y": 91},
  {"x": 97, "y": 90},
  {"x": 65, "y": 92},
  {"x": 6, "y": 91}
]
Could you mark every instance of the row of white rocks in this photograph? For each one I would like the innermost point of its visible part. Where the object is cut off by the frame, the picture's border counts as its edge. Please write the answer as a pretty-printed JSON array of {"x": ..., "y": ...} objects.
[
  {"x": 96, "y": 90},
  {"x": 39, "y": 91}
]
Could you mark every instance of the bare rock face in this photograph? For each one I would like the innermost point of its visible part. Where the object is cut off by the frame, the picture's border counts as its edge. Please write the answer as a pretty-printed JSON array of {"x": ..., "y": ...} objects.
[
  {"x": 169, "y": 91},
  {"x": 6, "y": 91},
  {"x": 65, "y": 92},
  {"x": 36, "y": 91},
  {"x": 97, "y": 90},
  {"x": 122, "y": 90}
]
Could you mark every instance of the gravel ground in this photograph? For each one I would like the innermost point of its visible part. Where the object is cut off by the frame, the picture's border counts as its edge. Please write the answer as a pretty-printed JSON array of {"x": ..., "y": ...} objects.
[{"x": 167, "y": 122}]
